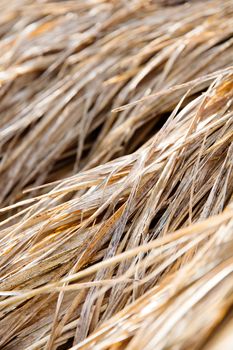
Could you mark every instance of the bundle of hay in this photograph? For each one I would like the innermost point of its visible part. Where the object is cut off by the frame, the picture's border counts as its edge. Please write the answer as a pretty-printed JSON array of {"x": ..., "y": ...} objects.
[{"x": 116, "y": 174}]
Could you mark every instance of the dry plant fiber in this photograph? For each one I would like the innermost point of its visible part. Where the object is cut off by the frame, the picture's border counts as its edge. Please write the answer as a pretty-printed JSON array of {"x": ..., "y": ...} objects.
[{"x": 116, "y": 175}]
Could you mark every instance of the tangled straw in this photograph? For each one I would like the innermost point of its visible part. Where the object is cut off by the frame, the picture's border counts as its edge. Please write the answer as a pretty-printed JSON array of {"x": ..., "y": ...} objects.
[{"x": 116, "y": 169}]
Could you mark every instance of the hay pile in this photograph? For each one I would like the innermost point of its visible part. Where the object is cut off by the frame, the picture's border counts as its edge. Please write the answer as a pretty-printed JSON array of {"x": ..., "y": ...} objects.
[{"x": 116, "y": 174}]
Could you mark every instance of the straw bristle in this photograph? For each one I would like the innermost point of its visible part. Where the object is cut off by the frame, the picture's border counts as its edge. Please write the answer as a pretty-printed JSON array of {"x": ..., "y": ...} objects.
[{"x": 116, "y": 169}]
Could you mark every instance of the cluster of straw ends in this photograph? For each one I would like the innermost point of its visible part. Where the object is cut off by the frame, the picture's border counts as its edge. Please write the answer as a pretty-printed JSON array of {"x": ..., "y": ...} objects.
[{"x": 116, "y": 174}]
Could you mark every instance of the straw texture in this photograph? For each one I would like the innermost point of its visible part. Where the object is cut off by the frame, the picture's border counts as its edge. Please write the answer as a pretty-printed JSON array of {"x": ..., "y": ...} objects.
[{"x": 116, "y": 169}]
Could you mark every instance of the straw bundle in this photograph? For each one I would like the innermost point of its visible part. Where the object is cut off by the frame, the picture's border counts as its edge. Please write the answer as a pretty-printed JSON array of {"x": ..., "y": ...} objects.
[{"x": 116, "y": 130}]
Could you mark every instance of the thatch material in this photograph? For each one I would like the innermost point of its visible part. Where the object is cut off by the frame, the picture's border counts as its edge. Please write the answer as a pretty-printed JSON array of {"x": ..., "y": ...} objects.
[{"x": 128, "y": 107}]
